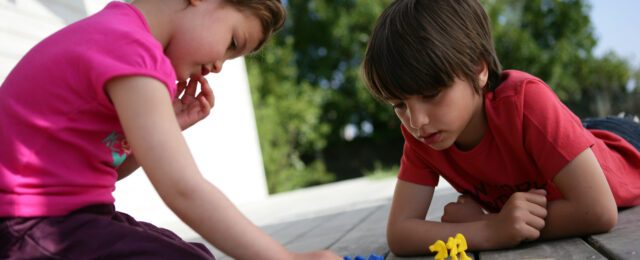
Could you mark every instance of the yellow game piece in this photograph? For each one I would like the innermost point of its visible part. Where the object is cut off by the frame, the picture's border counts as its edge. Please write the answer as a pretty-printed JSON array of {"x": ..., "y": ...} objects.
[
  {"x": 452, "y": 245},
  {"x": 462, "y": 246},
  {"x": 439, "y": 247}
]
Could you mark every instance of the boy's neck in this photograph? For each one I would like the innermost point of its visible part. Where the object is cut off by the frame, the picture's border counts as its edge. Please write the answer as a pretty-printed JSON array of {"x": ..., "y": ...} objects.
[{"x": 472, "y": 135}]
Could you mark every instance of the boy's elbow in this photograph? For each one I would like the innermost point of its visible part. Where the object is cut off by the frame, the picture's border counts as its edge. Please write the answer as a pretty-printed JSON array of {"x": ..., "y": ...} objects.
[
  {"x": 606, "y": 220},
  {"x": 397, "y": 245}
]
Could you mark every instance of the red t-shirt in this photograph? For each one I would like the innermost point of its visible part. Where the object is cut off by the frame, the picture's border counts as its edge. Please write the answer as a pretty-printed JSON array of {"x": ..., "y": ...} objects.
[{"x": 531, "y": 136}]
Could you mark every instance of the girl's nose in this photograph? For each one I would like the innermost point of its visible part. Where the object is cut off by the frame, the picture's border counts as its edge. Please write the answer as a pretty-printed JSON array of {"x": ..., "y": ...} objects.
[{"x": 217, "y": 66}]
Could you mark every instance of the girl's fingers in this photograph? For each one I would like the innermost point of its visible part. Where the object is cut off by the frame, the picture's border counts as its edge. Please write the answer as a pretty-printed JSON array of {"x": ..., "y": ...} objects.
[
  {"x": 205, "y": 106},
  {"x": 206, "y": 91},
  {"x": 191, "y": 87},
  {"x": 181, "y": 86}
]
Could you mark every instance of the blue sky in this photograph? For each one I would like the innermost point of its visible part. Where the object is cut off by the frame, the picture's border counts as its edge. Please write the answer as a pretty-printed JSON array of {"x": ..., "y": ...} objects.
[{"x": 617, "y": 26}]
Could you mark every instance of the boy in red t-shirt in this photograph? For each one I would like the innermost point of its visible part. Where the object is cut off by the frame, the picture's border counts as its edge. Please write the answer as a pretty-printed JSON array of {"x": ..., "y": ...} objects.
[{"x": 527, "y": 167}]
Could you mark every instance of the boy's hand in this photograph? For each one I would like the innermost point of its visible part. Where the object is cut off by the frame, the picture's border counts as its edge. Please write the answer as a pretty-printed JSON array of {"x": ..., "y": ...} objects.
[
  {"x": 326, "y": 255},
  {"x": 464, "y": 210},
  {"x": 190, "y": 108},
  {"x": 521, "y": 218}
]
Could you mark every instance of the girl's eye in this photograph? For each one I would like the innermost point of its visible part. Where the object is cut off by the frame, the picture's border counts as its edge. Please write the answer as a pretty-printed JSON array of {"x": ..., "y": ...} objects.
[{"x": 233, "y": 45}]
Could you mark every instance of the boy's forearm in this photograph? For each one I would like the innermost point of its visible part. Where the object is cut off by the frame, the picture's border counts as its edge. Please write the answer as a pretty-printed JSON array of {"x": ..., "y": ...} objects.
[
  {"x": 413, "y": 236},
  {"x": 566, "y": 219}
]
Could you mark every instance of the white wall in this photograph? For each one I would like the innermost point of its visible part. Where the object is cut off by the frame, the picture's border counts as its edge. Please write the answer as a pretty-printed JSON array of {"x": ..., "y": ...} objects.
[{"x": 225, "y": 145}]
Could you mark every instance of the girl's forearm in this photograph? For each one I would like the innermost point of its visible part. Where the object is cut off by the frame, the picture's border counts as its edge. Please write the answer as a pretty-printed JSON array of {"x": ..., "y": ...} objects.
[{"x": 205, "y": 209}]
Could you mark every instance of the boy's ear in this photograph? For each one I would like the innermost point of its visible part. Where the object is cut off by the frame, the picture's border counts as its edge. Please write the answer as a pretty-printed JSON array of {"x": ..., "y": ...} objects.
[{"x": 483, "y": 74}]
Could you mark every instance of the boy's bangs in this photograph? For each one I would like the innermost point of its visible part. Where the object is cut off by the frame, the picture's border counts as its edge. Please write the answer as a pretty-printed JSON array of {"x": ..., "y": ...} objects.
[{"x": 396, "y": 74}]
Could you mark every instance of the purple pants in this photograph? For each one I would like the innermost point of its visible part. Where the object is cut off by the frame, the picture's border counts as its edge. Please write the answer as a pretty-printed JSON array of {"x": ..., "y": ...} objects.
[{"x": 92, "y": 232}]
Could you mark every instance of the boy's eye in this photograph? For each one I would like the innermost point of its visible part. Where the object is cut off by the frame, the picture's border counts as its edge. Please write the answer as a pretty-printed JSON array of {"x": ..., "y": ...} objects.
[
  {"x": 431, "y": 95},
  {"x": 399, "y": 105}
]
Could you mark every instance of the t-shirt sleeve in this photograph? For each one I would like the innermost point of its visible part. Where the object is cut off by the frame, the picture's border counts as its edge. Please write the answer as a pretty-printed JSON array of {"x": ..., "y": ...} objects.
[
  {"x": 553, "y": 135},
  {"x": 132, "y": 57},
  {"x": 413, "y": 168}
]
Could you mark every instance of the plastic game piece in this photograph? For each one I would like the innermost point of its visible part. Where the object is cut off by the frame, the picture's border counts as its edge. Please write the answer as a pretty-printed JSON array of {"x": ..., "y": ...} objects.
[
  {"x": 452, "y": 245},
  {"x": 439, "y": 247},
  {"x": 371, "y": 257},
  {"x": 462, "y": 246}
]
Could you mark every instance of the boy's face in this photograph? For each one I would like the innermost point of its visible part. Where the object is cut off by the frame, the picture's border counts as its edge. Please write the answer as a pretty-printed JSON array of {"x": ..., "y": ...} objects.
[
  {"x": 454, "y": 115},
  {"x": 210, "y": 33}
]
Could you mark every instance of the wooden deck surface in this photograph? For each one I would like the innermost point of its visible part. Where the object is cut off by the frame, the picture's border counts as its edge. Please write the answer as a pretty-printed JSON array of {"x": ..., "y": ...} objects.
[{"x": 362, "y": 232}]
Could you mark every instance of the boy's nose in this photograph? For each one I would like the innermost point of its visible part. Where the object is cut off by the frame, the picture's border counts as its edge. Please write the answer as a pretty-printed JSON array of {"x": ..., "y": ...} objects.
[{"x": 418, "y": 118}]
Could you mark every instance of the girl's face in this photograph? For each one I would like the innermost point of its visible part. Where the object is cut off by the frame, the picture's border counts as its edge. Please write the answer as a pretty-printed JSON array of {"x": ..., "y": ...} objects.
[
  {"x": 208, "y": 33},
  {"x": 454, "y": 115}
]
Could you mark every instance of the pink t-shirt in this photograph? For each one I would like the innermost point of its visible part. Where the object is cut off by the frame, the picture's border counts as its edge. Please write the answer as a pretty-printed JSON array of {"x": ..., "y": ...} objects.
[
  {"x": 530, "y": 137},
  {"x": 60, "y": 137}
]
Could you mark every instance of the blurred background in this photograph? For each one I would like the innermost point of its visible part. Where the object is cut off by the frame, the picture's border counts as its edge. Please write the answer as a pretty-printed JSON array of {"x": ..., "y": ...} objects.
[
  {"x": 297, "y": 115},
  {"x": 318, "y": 124}
]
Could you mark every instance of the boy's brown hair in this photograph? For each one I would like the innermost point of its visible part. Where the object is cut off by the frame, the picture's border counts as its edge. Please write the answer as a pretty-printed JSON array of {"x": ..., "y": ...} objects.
[
  {"x": 418, "y": 47},
  {"x": 271, "y": 14}
]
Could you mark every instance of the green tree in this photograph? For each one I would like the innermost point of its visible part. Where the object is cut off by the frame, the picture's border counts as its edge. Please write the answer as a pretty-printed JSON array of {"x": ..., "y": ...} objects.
[
  {"x": 307, "y": 88},
  {"x": 554, "y": 40}
]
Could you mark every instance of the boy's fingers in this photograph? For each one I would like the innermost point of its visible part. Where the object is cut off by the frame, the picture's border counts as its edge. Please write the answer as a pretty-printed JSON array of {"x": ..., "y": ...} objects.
[
  {"x": 530, "y": 233},
  {"x": 535, "y": 222},
  {"x": 536, "y": 198},
  {"x": 539, "y": 191},
  {"x": 538, "y": 211},
  {"x": 462, "y": 198}
]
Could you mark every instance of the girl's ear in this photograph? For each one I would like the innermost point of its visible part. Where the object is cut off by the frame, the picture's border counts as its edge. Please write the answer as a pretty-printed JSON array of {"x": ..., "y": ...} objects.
[
  {"x": 483, "y": 75},
  {"x": 195, "y": 2}
]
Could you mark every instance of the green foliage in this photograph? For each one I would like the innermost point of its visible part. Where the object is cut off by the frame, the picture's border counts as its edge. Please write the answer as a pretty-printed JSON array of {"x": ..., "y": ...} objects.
[
  {"x": 554, "y": 40},
  {"x": 307, "y": 88},
  {"x": 382, "y": 172}
]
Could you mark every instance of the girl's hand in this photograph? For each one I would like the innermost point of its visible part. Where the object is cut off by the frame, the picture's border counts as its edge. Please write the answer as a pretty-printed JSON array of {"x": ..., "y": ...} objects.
[
  {"x": 464, "y": 210},
  {"x": 521, "y": 218},
  {"x": 322, "y": 255},
  {"x": 190, "y": 109}
]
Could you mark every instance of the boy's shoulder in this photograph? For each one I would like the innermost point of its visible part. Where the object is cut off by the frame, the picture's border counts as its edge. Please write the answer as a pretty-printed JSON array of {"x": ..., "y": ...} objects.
[{"x": 515, "y": 83}]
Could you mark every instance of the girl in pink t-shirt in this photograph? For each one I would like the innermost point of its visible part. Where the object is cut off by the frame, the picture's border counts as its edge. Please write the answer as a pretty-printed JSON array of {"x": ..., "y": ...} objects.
[{"x": 84, "y": 101}]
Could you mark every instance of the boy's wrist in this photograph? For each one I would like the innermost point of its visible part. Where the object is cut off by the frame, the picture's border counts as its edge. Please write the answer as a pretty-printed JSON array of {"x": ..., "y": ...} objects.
[{"x": 488, "y": 234}]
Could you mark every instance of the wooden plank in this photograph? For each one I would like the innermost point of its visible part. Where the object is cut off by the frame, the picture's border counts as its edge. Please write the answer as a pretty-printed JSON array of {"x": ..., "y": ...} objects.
[
  {"x": 623, "y": 241},
  {"x": 282, "y": 232},
  {"x": 571, "y": 248},
  {"x": 441, "y": 198},
  {"x": 391, "y": 256},
  {"x": 330, "y": 231},
  {"x": 368, "y": 237}
]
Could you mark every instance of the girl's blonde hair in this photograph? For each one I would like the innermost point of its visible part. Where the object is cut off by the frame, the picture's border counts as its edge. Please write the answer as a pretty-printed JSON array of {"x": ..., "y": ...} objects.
[{"x": 271, "y": 14}]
